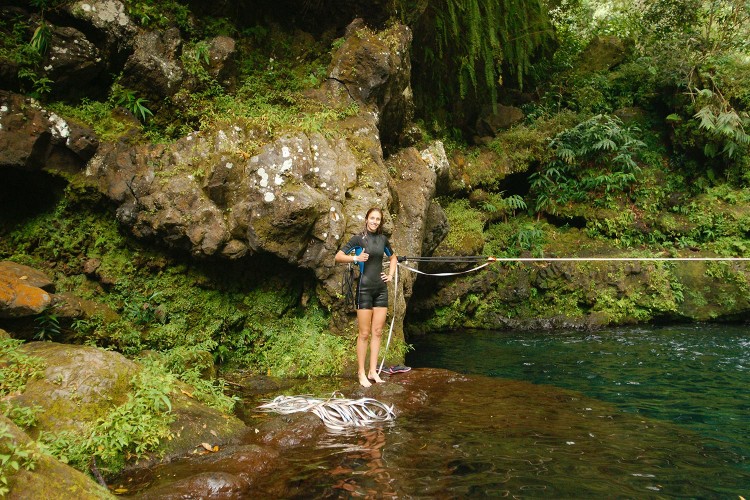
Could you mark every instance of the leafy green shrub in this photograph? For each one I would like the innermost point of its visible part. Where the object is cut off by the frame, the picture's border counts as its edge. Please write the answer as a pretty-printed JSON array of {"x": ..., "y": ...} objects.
[
  {"x": 195, "y": 60},
  {"x": 161, "y": 14},
  {"x": 593, "y": 160},
  {"x": 16, "y": 367},
  {"x": 22, "y": 416},
  {"x": 496, "y": 203},
  {"x": 13, "y": 458},
  {"x": 192, "y": 364},
  {"x": 130, "y": 101},
  {"x": 517, "y": 235},
  {"x": 725, "y": 126},
  {"x": 47, "y": 325},
  {"x": 142, "y": 310},
  {"x": 302, "y": 346},
  {"x": 40, "y": 39},
  {"x": 134, "y": 428}
]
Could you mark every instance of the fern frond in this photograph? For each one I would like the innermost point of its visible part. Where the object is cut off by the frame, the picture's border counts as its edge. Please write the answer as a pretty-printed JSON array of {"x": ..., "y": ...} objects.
[{"x": 706, "y": 117}]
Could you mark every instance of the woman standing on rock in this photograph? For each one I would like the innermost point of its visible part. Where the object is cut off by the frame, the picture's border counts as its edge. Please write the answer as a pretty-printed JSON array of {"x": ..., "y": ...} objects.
[{"x": 372, "y": 290}]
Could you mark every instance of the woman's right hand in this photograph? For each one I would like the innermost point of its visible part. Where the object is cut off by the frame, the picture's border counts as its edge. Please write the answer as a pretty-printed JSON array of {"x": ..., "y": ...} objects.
[{"x": 363, "y": 257}]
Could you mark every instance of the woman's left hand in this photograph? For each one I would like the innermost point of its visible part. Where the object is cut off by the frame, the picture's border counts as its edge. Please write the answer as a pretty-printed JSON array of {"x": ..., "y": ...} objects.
[{"x": 386, "y": 277}]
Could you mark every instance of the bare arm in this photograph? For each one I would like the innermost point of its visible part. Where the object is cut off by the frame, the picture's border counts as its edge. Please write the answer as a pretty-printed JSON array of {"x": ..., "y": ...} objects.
[{"x": 391, "y": 269}]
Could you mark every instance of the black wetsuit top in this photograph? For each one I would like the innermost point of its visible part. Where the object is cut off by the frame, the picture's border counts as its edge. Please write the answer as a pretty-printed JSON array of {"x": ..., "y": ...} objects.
[{"x": 372, "y": 291}]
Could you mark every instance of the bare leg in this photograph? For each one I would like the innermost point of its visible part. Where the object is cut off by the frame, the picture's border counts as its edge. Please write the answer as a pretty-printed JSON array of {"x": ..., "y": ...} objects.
[
  {"x": 378, "y": 320},
  {"x": 364, "y": 319}
]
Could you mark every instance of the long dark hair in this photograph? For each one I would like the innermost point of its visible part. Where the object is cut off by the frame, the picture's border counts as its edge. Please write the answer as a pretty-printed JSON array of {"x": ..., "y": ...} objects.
[{"x": 379, "y": 230}]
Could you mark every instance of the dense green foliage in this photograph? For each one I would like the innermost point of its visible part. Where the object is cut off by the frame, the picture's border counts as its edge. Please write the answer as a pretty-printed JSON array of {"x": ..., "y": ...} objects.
[
  {"x": 133, "y": 429},
  {"x": 157, "y": 306},
  {"x": 16, "y": 367},
  {"x": 13, "y": 457},
  {"x": 463, "y": 48},
  {"x": 592, "y": 161}
]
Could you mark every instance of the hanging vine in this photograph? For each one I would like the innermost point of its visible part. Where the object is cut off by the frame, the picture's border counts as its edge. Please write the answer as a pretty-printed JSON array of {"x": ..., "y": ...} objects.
[{"x": 462, "y": 48}]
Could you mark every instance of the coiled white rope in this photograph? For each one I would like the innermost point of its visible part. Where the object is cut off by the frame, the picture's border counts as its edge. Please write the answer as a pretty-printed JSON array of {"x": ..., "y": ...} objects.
[{"x": 336, "y": 412}]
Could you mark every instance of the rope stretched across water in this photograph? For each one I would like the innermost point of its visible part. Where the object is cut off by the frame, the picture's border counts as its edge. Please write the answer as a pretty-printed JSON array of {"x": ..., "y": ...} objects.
[
  {"x": 484, "y": 261},
  {"x": 483, "y": 258},
  {"x": 476, "y": 259},
  {"x": 336, "y": 412}
]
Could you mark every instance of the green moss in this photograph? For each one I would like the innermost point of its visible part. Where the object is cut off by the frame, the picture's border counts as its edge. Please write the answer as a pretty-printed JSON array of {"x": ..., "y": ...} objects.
[
  {"x": 129, "y": 429},
  {"x": 465, "y": 236}
]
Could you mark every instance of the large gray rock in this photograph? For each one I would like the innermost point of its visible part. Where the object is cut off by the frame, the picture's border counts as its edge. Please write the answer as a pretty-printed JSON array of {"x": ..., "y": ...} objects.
[
  {"x": 222, "y": 54},
  {"x": 415, "y": 186},
  {"x": 79, "y": 386},
  {"x": 154, "y": 69},
  {"x": 298, "y": 196},
  {"x": 105, "y": 21},
  {"x": 375, "y": 70}
]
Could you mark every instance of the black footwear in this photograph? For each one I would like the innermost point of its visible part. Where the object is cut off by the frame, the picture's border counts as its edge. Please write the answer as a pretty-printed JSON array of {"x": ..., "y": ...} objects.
[{"x": 396, "y": 369}]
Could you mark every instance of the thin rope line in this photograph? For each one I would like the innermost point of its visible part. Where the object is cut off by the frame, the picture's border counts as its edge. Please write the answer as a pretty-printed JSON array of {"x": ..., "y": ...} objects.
[
  {"x": 575, "y": 259},
  {"x": 444, "y": 274},
  {"x": 490, "y": 260},
  {"x": 393, "y": 319},
  {"x": 615, "y": 259}
]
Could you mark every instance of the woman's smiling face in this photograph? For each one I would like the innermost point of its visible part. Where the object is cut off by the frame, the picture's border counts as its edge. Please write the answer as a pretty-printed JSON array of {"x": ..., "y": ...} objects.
[{"x": 373, "y": 221}]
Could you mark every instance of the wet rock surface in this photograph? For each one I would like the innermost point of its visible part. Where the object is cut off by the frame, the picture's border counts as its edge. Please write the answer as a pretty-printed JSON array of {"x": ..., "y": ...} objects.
[{"x": 237, "y": 469}]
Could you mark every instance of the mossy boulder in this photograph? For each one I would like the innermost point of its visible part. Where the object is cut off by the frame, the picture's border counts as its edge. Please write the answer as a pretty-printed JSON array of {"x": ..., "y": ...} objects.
[
  {"x": 49, "y": 478},
  {"x": 81, "y": 385},
  {"x": 716, "y": 290}
]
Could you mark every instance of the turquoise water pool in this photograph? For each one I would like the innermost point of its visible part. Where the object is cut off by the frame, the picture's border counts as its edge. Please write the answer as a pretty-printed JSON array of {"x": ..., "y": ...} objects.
[{"x": 696, "y": 377}]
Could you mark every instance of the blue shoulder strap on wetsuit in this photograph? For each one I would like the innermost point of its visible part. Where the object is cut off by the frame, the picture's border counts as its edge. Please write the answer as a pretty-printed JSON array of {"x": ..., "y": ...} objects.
[{"x": 357, "y": 251}]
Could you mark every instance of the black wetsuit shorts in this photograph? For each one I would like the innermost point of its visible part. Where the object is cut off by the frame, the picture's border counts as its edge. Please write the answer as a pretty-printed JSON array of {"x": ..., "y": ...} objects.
[{"x": 370, "y": 294}]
